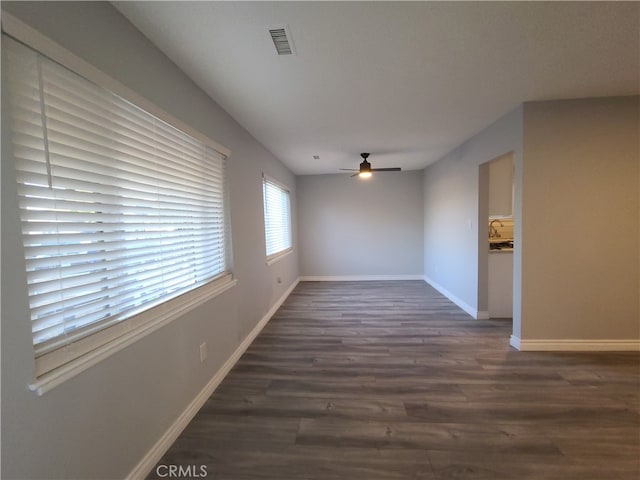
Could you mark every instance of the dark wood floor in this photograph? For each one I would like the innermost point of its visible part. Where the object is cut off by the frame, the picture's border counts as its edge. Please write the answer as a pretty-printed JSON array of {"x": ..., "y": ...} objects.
[{"x": 389, "y": 380}]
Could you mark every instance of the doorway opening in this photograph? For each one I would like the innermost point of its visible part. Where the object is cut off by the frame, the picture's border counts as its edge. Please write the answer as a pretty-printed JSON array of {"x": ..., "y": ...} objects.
[{"x": 496, "y": 238}]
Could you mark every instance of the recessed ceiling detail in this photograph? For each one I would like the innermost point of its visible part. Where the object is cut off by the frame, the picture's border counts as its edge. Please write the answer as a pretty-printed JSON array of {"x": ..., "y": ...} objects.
[{"x": 281, "y": 40}]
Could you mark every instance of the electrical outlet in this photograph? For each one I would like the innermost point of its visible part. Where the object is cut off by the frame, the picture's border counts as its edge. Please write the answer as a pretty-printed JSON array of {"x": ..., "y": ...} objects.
[{"x": 203, "y": 351}]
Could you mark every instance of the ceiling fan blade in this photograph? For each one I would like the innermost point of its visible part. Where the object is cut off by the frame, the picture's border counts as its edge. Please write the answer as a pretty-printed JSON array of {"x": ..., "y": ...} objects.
[
  {"x": 394, "y": 169},
  {"x": 349, "y": 169}
]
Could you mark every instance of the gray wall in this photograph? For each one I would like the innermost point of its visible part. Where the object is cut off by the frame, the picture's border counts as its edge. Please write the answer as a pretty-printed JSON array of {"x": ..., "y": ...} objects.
[
  {"x": 356, "y": 227},
  {"x": 580, "y": 255},
  {"x": 101, "y": 423},
  {"x": 456, "y": 208},
  {"x": 576, "y": 211}
]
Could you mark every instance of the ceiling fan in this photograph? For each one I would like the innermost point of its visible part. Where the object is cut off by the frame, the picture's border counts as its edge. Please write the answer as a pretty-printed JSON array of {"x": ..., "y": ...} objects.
[{"x": 365, "y": 168}]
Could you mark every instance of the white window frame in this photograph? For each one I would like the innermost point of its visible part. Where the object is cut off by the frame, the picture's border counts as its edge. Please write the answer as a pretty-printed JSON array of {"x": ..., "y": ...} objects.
[
  {"x": 158, "y": 316},
  {"x": 277, "y": 255}
]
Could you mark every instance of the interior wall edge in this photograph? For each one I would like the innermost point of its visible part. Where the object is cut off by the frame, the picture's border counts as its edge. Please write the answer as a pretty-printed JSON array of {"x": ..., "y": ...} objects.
[{"x": 460, "y": 303}]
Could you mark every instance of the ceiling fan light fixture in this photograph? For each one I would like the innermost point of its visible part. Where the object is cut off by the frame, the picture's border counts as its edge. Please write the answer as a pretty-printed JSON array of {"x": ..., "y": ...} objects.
[{"x": 365, "y": 169}]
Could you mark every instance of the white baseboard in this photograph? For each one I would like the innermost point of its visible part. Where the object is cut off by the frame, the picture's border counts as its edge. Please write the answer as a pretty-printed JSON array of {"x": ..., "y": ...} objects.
[
  {"x": 575, "y": 345},
  {"x": 482, "y": 315},
  {"x": 463, "y": 305},
  {"x": 153, "y": 456},
  {"x": 358, "y": 278}
]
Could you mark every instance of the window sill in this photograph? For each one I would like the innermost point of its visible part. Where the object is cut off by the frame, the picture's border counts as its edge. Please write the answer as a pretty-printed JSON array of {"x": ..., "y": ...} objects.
[
  {"x": 278, "y": 256},
  {"x": 177, "y": 307}
]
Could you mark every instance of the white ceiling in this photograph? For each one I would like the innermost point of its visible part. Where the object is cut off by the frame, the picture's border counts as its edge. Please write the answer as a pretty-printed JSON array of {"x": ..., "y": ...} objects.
[{"x": 407, "y": 82}]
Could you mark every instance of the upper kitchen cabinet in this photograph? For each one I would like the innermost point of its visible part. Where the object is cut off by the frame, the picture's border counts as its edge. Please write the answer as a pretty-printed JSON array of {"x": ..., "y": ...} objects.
[{"x": 501, "y": 172}]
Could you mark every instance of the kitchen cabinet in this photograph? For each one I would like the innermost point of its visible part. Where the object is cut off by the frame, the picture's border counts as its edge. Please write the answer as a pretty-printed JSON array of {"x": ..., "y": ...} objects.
[{"x": 501, "y": 284}]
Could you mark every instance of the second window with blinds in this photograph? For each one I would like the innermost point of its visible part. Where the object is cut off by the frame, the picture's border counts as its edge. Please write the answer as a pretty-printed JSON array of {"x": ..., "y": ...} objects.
[{"x": 277, "y": 218}]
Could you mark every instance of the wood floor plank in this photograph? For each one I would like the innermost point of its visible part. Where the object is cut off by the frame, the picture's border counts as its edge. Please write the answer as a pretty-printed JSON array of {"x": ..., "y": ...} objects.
[
  {"x": 499, "y": 466},
  {"x": 413, "y": 435},
  {"x": 362, "y": 408},
  {"x": 390, "y": 380},
  {"x": 508, "y": 412}
]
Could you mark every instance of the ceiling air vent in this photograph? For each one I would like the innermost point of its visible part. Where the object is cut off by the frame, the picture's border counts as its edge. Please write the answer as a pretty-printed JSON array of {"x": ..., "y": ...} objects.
[{"x": 282, "y": 40}]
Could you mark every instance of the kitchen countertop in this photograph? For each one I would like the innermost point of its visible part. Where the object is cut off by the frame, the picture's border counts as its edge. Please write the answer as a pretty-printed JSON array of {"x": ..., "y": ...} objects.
[{"x": 505, "y": 243}]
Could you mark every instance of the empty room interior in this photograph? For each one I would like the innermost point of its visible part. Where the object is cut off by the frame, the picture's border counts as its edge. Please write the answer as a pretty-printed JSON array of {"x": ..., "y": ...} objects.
[{"x": 320, "y": 240}]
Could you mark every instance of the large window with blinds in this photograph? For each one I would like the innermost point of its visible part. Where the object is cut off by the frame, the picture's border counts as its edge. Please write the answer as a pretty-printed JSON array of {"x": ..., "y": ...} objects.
[
  {"x": 121, "y": 212},
  {"x": 277, "y": 218}
]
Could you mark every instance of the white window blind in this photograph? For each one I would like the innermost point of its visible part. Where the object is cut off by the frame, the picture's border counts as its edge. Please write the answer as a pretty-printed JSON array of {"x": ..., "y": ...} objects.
[
  {"x": 277, "y": 218},
  {"x": 120, "y": 211}
]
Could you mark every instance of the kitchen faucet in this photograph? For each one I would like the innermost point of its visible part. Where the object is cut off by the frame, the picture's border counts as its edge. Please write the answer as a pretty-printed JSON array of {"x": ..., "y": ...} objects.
[{"x": 493, "y": 231}]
